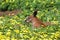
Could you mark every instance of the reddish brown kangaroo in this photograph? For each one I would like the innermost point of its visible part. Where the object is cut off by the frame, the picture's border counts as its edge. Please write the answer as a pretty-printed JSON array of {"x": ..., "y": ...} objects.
[{"x": 35, "y": 21}]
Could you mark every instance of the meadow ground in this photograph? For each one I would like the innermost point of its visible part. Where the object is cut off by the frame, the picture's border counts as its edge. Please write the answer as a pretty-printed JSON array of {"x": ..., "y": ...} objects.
[{"x": 14, "y": 27}]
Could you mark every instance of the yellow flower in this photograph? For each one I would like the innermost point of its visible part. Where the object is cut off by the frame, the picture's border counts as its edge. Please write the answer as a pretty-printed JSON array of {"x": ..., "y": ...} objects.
[
  {"x": 7, "y": 0},
  {"x": 26, "y": 36},
  {"x": 31, "y": 8},
  {"x": 44, "y": 2},
  {"x": 34, "y": 1},
  {"x": 45, "y": 35},
  {"x": 9, "y": 30},
  {"x": 41, "y": 36},
  {"x": 3, "y": 3},
  {"x": 7, "y": 38},
  {"x": 18, "y": 23},
  {"x": 40, "y": 39},
  {"x": 2, "y": 39},
  {"x": 22, "y": 25},
  {"x": 15, "y": 17},
  {"x": 32, "y": 38},
  {"x": 1, "y": 17},
  {"x": 55, "y": 22},
  {"x": 26, "y": 31},
  {"x": 13, "y": 0},
  {"x": 1, "y": 33},
  {"x": 17, "y": 31},
  {"x": 1, "y": 22},
  {"x": 55, "y": 8},
  {"x": 13, "y": 39},
  {"x": 57, "y": 34},
  {"x": 2, "y": 36},
  {"x": 52, "y": 36},
  {"x": 13, "y": 21},
  {"x": 46, "y": 11},
  {"x": 52, "y": 2},
  {"x": 26, "y": 3},
  {"x": 8, "y": 33},
  {"x": 50, "y": 39},
  {"x": 21, "y": 35},
  {"x": 45, "y": 39}
]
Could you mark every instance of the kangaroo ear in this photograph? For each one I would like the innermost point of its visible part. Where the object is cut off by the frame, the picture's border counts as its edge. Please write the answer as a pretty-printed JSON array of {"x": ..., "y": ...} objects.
[{"x": 35, "y": 13}]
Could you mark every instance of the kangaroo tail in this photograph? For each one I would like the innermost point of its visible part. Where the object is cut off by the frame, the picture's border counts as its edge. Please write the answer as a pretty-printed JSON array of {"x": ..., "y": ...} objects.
[{"x": 52, "y": 23}]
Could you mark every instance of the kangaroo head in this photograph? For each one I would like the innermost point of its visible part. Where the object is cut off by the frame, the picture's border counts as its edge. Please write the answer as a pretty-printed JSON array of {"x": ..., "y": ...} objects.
[{"x": 31, "y": 17}]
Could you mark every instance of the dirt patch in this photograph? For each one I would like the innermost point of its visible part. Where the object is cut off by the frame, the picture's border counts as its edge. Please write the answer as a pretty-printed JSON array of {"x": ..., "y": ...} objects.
[{"x": 10, "y": 13}]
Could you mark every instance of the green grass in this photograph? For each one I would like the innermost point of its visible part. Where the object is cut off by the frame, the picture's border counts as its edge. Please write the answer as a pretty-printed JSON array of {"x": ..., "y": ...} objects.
[{"x": 14, "y": 27}]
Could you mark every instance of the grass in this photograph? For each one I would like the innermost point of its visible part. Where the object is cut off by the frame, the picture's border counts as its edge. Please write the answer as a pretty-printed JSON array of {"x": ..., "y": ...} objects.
[{"x": 14, "y": 27}]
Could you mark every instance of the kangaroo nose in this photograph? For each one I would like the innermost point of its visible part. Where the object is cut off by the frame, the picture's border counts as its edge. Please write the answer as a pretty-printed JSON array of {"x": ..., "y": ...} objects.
[{"x": 26, "y": 21}]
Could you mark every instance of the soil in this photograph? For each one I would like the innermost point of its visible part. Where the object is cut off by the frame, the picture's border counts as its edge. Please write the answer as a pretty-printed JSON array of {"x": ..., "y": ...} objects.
[{"x": 9, "y": 13}]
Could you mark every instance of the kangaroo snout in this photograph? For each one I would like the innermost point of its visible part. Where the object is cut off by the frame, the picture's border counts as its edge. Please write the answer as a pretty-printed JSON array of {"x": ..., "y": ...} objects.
[{"x": 27, "y": 19}]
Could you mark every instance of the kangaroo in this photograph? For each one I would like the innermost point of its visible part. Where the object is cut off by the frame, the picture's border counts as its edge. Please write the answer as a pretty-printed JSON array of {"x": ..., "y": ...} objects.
[{"x": 35, "y": 21}]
